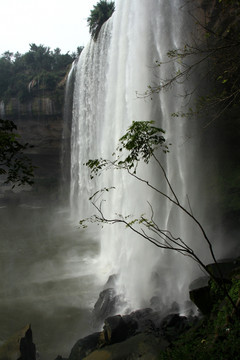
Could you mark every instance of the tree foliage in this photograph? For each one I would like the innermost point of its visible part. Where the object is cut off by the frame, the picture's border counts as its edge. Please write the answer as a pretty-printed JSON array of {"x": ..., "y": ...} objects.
[
  {"x": 37, "y": 71},
  {"x": 99, "y": 15},
  {"x": 213, "y": 54},
  {"x": 15, "y": 167}
]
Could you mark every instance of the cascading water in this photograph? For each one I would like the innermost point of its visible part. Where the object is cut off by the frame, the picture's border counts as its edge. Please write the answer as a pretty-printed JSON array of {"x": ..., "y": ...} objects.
[{"x": 110, "y": 71}]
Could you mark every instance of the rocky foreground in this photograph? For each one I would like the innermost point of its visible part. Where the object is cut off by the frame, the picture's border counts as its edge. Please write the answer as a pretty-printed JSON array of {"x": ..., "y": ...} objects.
[{"x": 146, "y": 333}]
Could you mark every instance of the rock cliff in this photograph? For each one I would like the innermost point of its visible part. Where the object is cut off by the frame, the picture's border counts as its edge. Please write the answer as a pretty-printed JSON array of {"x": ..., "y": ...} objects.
[{"x": 39, "y": 123}]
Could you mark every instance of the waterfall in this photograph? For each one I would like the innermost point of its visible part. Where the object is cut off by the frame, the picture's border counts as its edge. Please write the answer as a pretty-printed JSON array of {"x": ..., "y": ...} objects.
[
  {"x": 2, "y": 109},
  {"x": 66, "y": 134},
  {"x": 109, "y": 73}
]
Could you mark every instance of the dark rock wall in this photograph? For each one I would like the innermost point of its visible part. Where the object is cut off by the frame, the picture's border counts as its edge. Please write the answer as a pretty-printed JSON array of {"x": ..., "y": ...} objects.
[{"x": 39, "y": 123}]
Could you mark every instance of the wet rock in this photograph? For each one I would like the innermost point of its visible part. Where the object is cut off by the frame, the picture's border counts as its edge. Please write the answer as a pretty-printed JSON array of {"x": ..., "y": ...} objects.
[
  {"x": 140, "y": 334},
  {"x": 199, "y": 283},
  {"x": 85, "y": 346},
  {"x": 226, "y": 267},
  {"x": 200, "y": 290},
  {"x": 174, "y": 325},
  {"x": 143, "y": 320},
  {"x": 202, "y": 299},
  {"x": 141, "y": 346},
  {"x": 107, "y": 305},
  {"x": 115, "y": 329},
  {"x": 199, "y": 293}
]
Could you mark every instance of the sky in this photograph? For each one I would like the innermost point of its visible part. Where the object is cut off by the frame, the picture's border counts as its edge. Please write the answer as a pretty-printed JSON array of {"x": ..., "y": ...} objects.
[{"x": 53, "y": 23}]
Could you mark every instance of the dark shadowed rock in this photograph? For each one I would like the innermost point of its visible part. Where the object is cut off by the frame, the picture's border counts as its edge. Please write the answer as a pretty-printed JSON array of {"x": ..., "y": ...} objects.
[
  {"x": 106, "y": 305},
  {"x": 199, "y": 282},
  {"x": 85, "y": 346},
  {"x": 173, "y": 325},
  {"x": 115, "y": 329},
  {"x": 202, "y": 299},
  {"x": 141, "y": 346},
  {"x": 140, "y": 334},
  {"x": 225, "y": 266},
  {"x": 143, "y": 320},
  {"x": 199, "y": 293},
  {"x": 27, "y": 347}
]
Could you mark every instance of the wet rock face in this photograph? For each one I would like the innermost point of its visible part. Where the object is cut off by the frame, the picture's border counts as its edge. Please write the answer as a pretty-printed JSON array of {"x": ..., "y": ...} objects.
[
  {"x": 84, "y": 346},
  {"x": 139, "y": 334},
  {"x": 199, "y": 289},
  {"x": 40, "y": 123},
  {"x": 106, "y": 305},
  {"x": 108, "y": 302},
  {"x": 115, "y": 329}
]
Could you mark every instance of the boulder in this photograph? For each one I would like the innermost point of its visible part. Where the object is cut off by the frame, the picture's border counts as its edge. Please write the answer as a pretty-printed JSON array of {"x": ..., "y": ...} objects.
[
  {"x": 199, "y": 293},
  {"x": 226, "y": 266},
  {"x": 199, "y": 283},
  {"x": 85, "y": 346},
  {"x": 174, "y": 325},
  {"x": 143, "y": 320},
  {"x": 115, "y": 329},
  {"x": 141, "y": 346},
  {"x": 107, "y": 304},
  {"x": 202, "y": 299},
  {"x": 199, "y": 289}
]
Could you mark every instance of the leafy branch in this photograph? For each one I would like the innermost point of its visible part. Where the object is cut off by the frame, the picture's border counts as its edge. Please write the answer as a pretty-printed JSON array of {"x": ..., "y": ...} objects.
[
  {"x": 214, "y": 56},
  {"x": 141, "y": 142}
]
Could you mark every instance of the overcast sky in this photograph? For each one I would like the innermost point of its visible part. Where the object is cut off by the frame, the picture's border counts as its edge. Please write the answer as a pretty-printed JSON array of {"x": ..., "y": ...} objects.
[{"x": 53, "y": 23}]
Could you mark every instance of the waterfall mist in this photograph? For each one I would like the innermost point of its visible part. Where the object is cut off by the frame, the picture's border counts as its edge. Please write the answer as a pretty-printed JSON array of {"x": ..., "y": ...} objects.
[
  {"x": 52, "y": 271},
  {"x": 47, "y": 278},
  {"x": 110, "y": 74}
]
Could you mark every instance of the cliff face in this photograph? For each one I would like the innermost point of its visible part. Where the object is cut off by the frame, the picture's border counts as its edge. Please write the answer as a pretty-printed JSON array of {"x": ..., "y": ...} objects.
[{"x": 39, "y": 123}]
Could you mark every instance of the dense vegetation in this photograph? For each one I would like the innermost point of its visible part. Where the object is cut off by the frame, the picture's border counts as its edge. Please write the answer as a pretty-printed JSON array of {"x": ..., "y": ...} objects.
[
  {"x": 38, "y": 73},
  {"x": 215, "y": 337},
  {"x": 15, "y": 167},
  {"x": 39, "y": 70},
  {"x": 99, "y": 15}
]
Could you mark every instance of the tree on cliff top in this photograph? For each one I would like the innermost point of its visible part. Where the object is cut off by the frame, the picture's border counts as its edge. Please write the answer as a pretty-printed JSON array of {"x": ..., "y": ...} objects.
[
  {"x": 15, "y": 167},
  {"x": 38, "y": 72},
  {"x": 99, "y": 15}
]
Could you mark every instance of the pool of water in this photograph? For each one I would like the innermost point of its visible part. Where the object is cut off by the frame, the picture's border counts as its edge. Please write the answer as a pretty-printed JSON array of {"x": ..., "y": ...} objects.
[{"x": 48, "y": 277}]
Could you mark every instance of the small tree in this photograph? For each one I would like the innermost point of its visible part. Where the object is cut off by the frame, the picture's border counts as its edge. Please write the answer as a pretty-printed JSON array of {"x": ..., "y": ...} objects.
[
  {"x": 99, "y": 15},
  {"x": 213, "y": 54},
  {"x": 140, "y": 143},
  {"x": 14, "y": 164}
]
